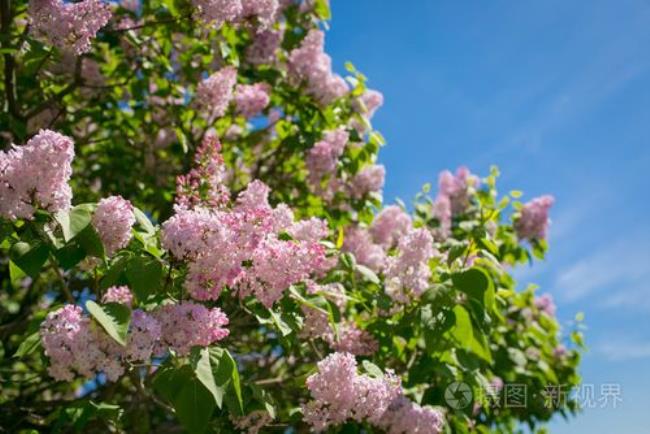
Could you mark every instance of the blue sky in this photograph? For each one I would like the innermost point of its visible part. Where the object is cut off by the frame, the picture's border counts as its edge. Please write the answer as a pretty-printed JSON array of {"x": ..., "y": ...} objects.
[{"x": 557, "y": 94}]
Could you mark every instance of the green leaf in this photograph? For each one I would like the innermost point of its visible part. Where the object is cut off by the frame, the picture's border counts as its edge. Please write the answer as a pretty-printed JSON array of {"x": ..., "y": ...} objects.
[
  {"x": 113, "y": 317},
  {"x": 144, "y": 274},
  {"x": 16, "y": 275},
  {"x": 89, "y": 240},
  {"x": 144, "y": 222},
  {"x": 372, "y": 369},
  {"x": 226, "y": 376},
  {"x": 368, "y": 274},
  {"x": 74, "y": 221},
  {"x": 477, "y": 284},
  {"x": 29, "y": 258},
  {"x": 203, "y": 371},
  {"x": 29, "y": 344},
  {"x": 469, "y": 338}
]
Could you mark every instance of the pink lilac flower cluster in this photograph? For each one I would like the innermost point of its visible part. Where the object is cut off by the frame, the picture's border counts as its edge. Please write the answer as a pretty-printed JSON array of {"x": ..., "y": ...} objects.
[
  {"x": 203, "y": 184},
  {"x": 252, "y": 247},
  {"x": 340, "y": 394},
  {"x": 408, "y": 273},
  {"x": 118, "y": 294},
  {"x": 546, "y": 304},
  {"x": 370, "y": 246},
  {"x": 113, "y": 220},
  {"x": 75, "y": 344},
  {"x": 533, "y": 220},
  {"x": 366, "y": 105},
  {"x": 215, "y": 92},
  {"x": 453, "y": 196},
  {"x": 265, "y": 44},
  {"x": 369, "y": 179},
  {"x": 311, "y": 65},
  {"x": 218, "y": 12},
  {"x": 323, "y": 156},
  {"x": 189, "y": 324},
  {"x": 36, "y": 175},
  {"x": 251, "y": 99},
  {"x": 67, "y": 25},
  {"x": 348, "y": 338}
]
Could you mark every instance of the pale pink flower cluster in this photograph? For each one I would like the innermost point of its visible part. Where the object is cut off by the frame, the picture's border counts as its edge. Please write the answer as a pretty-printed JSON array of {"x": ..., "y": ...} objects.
[
  {"x": 390, "y": 225},
  {"x": 348, "y": 337},
  {"x": 323, "y": 156},
  {"x": 546, "y": 304},
  {"x": 203, "y": 184},
  {"x": 456, "y": 188},
  {"x": 311, "y": 65},
  {"x": 36, "y": 175},
  {"x": 360, "y": 243},
  {"x": 218, "y": 12},
  {"x": 264, "y": 11},
  {"x": 189, "y": 324},
  {"x": 243, "y": 247},
  {"x": 118, "y": 294},
  {"x": 366, "y": 105},
  {"x": 408, "y": 273},
  {"x": 67, "y": 25},
  {"x": 370, "y": 179},
  {"x": 370, "y": 246},
  {"x": 341, "y": 394},
  {"x": 251, "y": 99},
  {"x": 113, "y": 220},
  {"x": 453, "y": 197},
  {"x": 215, "y": 92},
  {"x": 264, "y": 46},
  {"x": 533, "y": 220},
  {"x": 75, "y": 344}
]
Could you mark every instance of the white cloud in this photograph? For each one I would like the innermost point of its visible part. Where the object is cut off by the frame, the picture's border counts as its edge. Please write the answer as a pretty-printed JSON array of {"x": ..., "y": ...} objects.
[
  {"x": 620, "y": 269},
  {"x": 617, "y": 350}
]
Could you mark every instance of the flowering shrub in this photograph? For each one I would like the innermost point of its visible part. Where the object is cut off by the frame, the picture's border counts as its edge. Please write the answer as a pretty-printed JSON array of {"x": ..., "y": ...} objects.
[{"x": 226, "y": 263}]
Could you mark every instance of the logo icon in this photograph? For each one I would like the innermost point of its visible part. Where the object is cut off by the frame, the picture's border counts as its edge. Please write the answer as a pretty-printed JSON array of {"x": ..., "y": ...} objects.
[{"x": 458, "y": 395}]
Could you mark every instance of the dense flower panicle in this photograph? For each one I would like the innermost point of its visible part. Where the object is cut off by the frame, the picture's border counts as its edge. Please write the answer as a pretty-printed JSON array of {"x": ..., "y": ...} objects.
[
  {"x": 309, "y": 63},
  {"x": 118, "y": 294},
  {"x": 144, "y": 336},
  {"x": 242, "y": 247},
  {"x": 407, "y": 417},
  {"x": 264, "y": 10},
  {"x": 204, "y": 185},
  {"x": 442, "y": 211},
  {"x": 36, "y": 175},
  {"x": 390, "y": 225},
  {"x": 251, "y": 99},
  {"x": 69, "y": 26},
  {"x": 218, "y": 12},
  {"x": 353, "y": 340},
  {"x": 73, "y": 344},
  {"x": 113, "y": 220},
  {"x": 370, "y": 179},
  {"x": 264, "y": 47},
  {"x": 371, "y": 100},
  {"x": 456, "y": 188},
  {"x": 340, "y": 394},
  {"x": 323, "y": 156},
  {"x": 546, "y": 304},
  {"x": 359, "y": 242},
  {"x": 215, "y": 92},
  {"x": 189, "y": 324},
  {"x": 409, "y": 271},
  {"x": 533, "y": 220}
]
